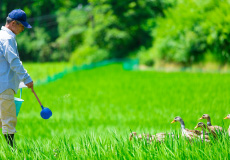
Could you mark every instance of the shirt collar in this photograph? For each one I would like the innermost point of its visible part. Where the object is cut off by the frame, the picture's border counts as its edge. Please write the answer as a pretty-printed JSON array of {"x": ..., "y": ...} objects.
[{"x": 8, "y": 31}]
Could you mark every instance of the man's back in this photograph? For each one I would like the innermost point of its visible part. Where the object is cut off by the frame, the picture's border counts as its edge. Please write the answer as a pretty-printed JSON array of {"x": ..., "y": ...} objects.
[{"x": 11, "y": 69}]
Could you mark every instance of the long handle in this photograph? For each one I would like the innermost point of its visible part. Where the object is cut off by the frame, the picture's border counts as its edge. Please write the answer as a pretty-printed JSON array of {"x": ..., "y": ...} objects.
[
  {"x": 37, "y": 97},
  {"x": 20, "y": 93}
]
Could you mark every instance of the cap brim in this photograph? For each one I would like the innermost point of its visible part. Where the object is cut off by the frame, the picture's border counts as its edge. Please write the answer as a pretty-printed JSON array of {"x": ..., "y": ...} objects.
[{"x": 25, "y": 24}]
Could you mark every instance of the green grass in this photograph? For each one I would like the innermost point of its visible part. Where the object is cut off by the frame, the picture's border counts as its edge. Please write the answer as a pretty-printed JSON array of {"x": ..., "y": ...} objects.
[
  {"x": 40, "y": 71},
  {"x": 94, "y": 111}
]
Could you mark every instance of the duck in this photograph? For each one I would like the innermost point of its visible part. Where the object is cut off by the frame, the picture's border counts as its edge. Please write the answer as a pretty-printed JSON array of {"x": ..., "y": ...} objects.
[
  {"x": 139, "y": 137},
  {"x": 190, "y": 134},
  {"x": 134, "y": 135},
  {"x": 158, "y": 137},
  {"x": 228, "y": 117},
  {"x": 203, "y": 128},
  {"x": 205, "y": 136},
  {"x": 215, "y": 128}
]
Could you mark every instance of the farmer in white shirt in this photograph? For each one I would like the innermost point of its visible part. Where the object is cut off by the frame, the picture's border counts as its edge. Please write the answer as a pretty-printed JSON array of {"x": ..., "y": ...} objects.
[{"x": 12, "y": 72}]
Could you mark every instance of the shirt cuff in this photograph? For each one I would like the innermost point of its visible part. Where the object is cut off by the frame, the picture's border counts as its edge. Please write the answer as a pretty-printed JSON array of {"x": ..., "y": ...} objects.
[{"x": 28, "y": 80}]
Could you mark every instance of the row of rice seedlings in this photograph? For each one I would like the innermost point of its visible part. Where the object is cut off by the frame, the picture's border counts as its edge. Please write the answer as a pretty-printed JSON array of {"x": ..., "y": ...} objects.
[
  {"x": 173, "y": 148},
  {"x": 114, "y": 146}
]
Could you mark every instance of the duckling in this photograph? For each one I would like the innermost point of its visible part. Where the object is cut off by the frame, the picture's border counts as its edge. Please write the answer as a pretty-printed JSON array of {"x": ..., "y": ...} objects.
[
  {"x": 132, "y": 135},
  {"x": 207, "y": 117},
  {"x": 204, "y": 135},
  {"x": 158, "y": 137},
  {"x": 139, "y": 137},
  {"x": 203, "y": 128},
  {"x": 228, "y": 117},
  {"x": 190, "y": 134},
  {"x": 145, "y": 136}
]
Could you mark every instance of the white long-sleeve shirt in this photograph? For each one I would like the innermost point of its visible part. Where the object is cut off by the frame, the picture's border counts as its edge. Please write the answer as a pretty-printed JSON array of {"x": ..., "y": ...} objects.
[{"x": 12, "y": 71}]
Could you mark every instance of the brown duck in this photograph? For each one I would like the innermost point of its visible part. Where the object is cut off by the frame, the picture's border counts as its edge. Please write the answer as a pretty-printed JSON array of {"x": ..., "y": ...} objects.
[
  {"x": 205, "y": 135},
  {"x": 190, "y": 134},
  {"x": 215, "y": 128}
]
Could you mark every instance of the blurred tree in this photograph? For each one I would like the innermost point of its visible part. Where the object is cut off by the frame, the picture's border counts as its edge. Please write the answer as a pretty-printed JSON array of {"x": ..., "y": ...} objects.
[
  {"x": 72, "y": 26},
  {"x": 115, "y": 27},
  {"x": 41, "y": 14},
  {"x": 123, "y": 26},
  {"x": 193, "y": 32}
]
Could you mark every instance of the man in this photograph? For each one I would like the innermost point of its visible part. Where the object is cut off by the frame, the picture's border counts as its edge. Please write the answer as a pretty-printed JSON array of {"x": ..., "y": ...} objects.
[{"x": 12, "y": 72}]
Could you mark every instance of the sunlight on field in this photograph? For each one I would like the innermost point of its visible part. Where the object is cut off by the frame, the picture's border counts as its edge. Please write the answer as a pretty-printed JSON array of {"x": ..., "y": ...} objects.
[{"x": 40, "y": 71}]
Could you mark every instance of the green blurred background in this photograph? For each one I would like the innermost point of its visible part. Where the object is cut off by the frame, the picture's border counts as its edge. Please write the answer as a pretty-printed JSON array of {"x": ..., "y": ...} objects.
[{"x": 157, "y": 32}]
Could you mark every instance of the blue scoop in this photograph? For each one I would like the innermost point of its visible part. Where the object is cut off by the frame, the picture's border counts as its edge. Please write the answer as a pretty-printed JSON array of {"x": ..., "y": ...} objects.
[{"x": 46, "y": 113}]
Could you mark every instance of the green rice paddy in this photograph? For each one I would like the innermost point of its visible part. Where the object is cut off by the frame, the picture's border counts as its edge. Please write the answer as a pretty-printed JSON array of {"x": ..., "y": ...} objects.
[{"x": 95, "y": 110}]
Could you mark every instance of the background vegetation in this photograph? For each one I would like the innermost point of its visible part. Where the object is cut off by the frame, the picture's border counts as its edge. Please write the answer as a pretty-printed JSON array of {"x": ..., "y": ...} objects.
[
  {"x": 152, "y": 30},
  {"x": 192, "y": 32},
  {"x": 172, "y": 31}
]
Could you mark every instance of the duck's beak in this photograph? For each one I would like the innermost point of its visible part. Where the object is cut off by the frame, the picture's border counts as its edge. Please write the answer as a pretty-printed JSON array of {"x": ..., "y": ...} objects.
[
  {"x": 196, "y": 127},
  {"x": 173, "y": 121},
  {"x": 226, "y": 118},
  {"x": 200, "y": 118}
]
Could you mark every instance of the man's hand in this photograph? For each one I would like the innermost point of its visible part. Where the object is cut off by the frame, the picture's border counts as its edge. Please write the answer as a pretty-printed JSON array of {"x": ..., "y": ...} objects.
[{"x": 30, "y": 85}]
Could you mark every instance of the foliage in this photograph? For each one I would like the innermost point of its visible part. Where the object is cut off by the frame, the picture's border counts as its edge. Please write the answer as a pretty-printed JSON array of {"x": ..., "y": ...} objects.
[
  {"x": 191, "y": 30},
  {"x": 123, "y": 26},
  {"x": 178, "y": 31},
  {"x": 36, "y": 44},
  {"x": 117, "y": 27},
  {"x": 145, "y": 56},
  {"x": 87, "y": 55},
  {"x": 72, "y": 26}
]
